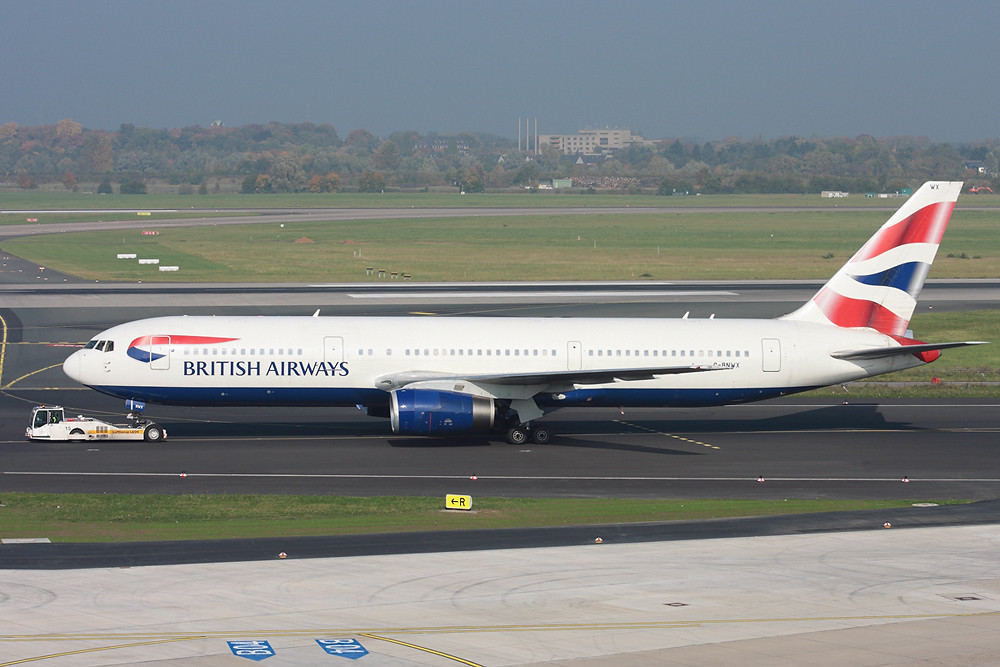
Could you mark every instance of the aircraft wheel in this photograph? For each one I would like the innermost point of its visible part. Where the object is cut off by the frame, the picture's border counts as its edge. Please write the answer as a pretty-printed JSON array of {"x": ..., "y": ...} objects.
[
  {"x": 517, "y": 435},
  {"x": 152, "y": 433},
  {"x": 541, "y": 435}
]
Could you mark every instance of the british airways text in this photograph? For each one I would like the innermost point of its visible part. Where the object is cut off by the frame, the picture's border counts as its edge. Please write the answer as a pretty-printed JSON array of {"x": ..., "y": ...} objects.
[{"x": 259, "y": 368}]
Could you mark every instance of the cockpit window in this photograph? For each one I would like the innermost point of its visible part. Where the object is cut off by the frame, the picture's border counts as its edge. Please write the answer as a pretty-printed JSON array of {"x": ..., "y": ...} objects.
[
  {"x": 100, "y": 345},
  {"x": 110, "y": 346},
  {"x": 90, "y": 345}
]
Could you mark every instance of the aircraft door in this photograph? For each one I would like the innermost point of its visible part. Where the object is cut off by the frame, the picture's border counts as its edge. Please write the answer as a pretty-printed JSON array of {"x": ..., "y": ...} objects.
[
  {"x": 574, "y": 355},
  {"x": 770, "y": 355},
  {"x": 333, "y": 349},
  {"x": 159, "y": 353}
]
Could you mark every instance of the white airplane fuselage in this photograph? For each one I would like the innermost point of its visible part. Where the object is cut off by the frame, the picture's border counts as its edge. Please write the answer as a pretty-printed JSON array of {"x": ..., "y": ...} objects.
[{"x": 355, "y": 360}]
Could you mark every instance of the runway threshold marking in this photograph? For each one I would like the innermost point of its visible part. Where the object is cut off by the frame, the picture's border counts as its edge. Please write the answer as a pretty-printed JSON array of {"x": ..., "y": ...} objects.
[{"x": 663, "y": 433}]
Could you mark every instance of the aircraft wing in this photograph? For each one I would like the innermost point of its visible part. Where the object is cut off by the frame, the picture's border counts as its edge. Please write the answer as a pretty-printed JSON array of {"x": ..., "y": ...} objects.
[
  {"x": 880, "y": 352},
  {"x": 592, "y": 377},
  {"x": 602, "y": 376}
]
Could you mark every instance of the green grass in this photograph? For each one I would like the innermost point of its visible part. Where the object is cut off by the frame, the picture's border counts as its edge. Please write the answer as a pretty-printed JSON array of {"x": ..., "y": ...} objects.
[
  {"x": 544, "y": 246},
  {"x": 114, "y": 517}
]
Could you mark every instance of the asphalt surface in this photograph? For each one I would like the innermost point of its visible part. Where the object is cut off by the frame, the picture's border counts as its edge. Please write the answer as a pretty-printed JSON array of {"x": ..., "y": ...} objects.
[{"x": 801, "y": 448}]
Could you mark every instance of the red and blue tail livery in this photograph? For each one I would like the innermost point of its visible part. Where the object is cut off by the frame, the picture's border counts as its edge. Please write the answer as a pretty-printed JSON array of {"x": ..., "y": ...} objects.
[
  {"x": 878, "y": 288},
  {"x": 438, "y": 376}
]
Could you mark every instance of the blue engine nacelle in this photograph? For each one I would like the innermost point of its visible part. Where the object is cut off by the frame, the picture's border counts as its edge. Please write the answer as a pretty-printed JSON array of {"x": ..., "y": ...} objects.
[{"x": 430, "y": 412}]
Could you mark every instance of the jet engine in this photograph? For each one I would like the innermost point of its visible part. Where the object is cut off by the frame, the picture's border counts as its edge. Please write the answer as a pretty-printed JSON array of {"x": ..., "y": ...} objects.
[{"x": 430, "y": 412}]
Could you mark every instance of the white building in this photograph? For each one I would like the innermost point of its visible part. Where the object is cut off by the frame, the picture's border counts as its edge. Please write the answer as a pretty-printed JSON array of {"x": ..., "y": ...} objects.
[{"x": 592, "y": 142}]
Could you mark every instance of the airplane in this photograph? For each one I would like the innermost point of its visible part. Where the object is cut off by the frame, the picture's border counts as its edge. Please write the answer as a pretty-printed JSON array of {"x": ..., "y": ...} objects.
[{"x": 437, "y": 376}]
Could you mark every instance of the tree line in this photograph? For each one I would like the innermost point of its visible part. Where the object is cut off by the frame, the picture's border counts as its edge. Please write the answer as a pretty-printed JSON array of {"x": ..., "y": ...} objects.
[{"x": 305, "y": 157}]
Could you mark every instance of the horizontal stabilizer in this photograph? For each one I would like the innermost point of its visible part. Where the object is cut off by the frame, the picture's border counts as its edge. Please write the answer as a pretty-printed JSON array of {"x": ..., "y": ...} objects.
[{"x": 882, "y": 352}]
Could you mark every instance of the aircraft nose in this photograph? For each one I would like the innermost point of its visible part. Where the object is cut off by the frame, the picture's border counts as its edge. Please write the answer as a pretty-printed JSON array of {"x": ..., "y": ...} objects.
[{"x": 71, "y": 366}]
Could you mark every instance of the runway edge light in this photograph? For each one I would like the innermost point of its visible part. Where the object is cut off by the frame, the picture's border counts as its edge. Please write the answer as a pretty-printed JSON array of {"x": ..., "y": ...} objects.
[{"x": 454, "y": 501}]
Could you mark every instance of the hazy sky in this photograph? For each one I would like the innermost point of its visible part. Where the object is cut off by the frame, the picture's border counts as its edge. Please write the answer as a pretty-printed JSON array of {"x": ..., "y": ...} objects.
[{"x": 706, "y": 69}]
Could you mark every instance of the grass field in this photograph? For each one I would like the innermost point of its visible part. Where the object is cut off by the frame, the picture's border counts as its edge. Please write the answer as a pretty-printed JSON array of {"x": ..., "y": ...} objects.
[
  {"x": 118, "y": 518},
  {"x": 545, "y": 246}
]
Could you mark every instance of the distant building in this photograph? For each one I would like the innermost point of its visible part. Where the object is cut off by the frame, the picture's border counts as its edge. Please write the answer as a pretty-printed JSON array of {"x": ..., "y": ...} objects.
[
  {"x": 592, "y": 142},
  {"x": 443, "y": 144}
]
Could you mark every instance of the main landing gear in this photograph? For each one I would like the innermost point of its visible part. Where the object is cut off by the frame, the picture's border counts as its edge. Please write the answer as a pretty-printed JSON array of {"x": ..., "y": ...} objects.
[{"x": 518, "y": 434}]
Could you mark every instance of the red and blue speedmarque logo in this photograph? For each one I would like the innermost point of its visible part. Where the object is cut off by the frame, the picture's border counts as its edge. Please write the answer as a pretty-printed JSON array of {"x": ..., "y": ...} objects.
[{"x": 142, "y": 348}]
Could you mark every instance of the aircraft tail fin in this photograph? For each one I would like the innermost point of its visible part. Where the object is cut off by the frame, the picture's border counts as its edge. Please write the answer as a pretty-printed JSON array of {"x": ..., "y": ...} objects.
[{"x": 878, "y": 287}]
